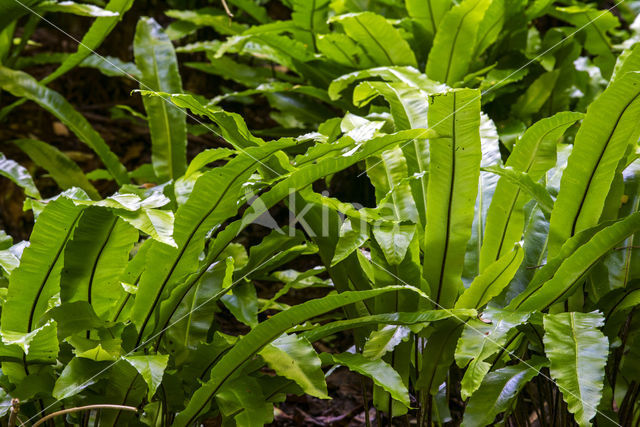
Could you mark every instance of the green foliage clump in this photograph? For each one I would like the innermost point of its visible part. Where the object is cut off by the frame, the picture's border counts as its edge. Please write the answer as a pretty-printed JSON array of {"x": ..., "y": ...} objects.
[{"x": 492, "y": 278}]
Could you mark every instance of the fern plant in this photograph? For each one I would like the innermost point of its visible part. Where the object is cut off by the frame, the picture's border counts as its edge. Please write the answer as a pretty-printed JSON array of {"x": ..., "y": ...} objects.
[
  {"x": 494, "y": 279},
  {"x": 492, "y": 45}
]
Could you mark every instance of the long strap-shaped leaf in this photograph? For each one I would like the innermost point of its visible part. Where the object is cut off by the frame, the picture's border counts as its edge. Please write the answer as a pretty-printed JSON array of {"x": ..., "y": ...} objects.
[
  {"x": 578, "y": 352},
  {"x": 452, "y": 190},
  {"x": 611, "y": 124},
  {"x": 233, "y": 128},
  {"x": 407, "y": 75},
  {"x": 564, "y": 272},
  {"x": 312, "y": 16},
  {"x": 534, "y": 154},
  {"x": 409, "y": 106},
  {"x": 455, "y": 41},
  {"x": 492, "y": 281},
  {"x": 212, "y": 201},
  {"x": 64, "y": 171},
  {"x": 401, "y": 318},
  {"x": 428, "y": 13},
  {"x": 23, "y": 85},
  {"x": 157, "y": 61},
  {"x": 491, "y": 25},
  {"x": 298, "y": 180},
  {"x": 37, "y": 279},
  {"x": 498, "y": 390},
  {"x": 381, "y": 41},
  {"x": 96, "y": 34},
  {"x": 262, "y": 335},
  {"x": 95, "y": 259},
  {"x": 487, "y": 183}
]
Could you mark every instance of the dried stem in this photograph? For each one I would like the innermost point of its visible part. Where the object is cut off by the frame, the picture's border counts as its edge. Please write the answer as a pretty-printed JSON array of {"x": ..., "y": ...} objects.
[{"x": 226, "y": 8}]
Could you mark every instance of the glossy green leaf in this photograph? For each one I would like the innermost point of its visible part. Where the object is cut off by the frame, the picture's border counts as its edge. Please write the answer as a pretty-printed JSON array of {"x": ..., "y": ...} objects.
[
  {"x": 195, "y": 313},
  {"x": 259, "y": 13},
  {"x": 559, "y": 277},
  {"x": 294, "y": 358},
  {"x": 455, "y": 41},
  {"x": 388, "y": 175},
  {"x": 75, "y": 317},
  {"x": 309, "y": 174},
  {"x": 213, "y": 200},
  {"x": 379, "y": 39},
  {"x": 384, "y": 340},
  {"x": 536, "y": 95},
  {"x": 74, "y": 8},
  {"x": 490, "y": 146},
  {"x": 64, "y": 171},
  {"x": 491, "y": 25},
  {"x": 96, "y": 34},
  {"x": 407, "y": 319},
  {"x": 353, "y": 234},
  {"x": 243, "y": 399},
  {"x": 533, "y": 189},
  {"x": 205, "y": 157},
  {"x": 311, "y": 15},
  {"x": 151, "y": 368},
  {"x": 95, "y": 259},
  {"x": 608, "y": 129},
  {"x": 79, "y": 374},
  {"x": 492, "y": 280},
  {"x": 156, "y": 59},
  {"x": 339, "y": 48},
  {"x": 37, "y": 279},
  {"x": 578, "y": 353},
  {"x": 143, "y": 214},
  {"x": 19, "y": 175},
  {"x": 407, "y": 75},
  {"x": 33, "y": 342},
  {"x": 597, "y": 25},
  {"x": 498, "y": 391},
  {"x": 453, "y": 186},
  {"x": 394, "y": 240},
  {"x": 242, "y": 302},
  {"x": 428, "y": 13},
  {"x": 208, "y": 17},
  {"x": 534, "y": 154},
  {"x": 408, "y": 104},
  {"x": 481, "y": 340},
  {"x": 440, "y": 347}
]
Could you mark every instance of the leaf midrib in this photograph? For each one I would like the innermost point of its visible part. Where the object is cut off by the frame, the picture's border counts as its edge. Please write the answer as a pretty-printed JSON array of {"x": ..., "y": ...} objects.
[
  {"x": 188, "y": 241},
  {"x": 514, "y": 199},
  {"x": 165, "y": 116},
  {"x": 450, "y": 199},
  {"x": 455, "y": 39},
  {"x": 94, "y": 267},
  {"x": 375, "y": 40},
  {"x": 50, "y": 270},
  {"x": 595, "y": 169}
]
